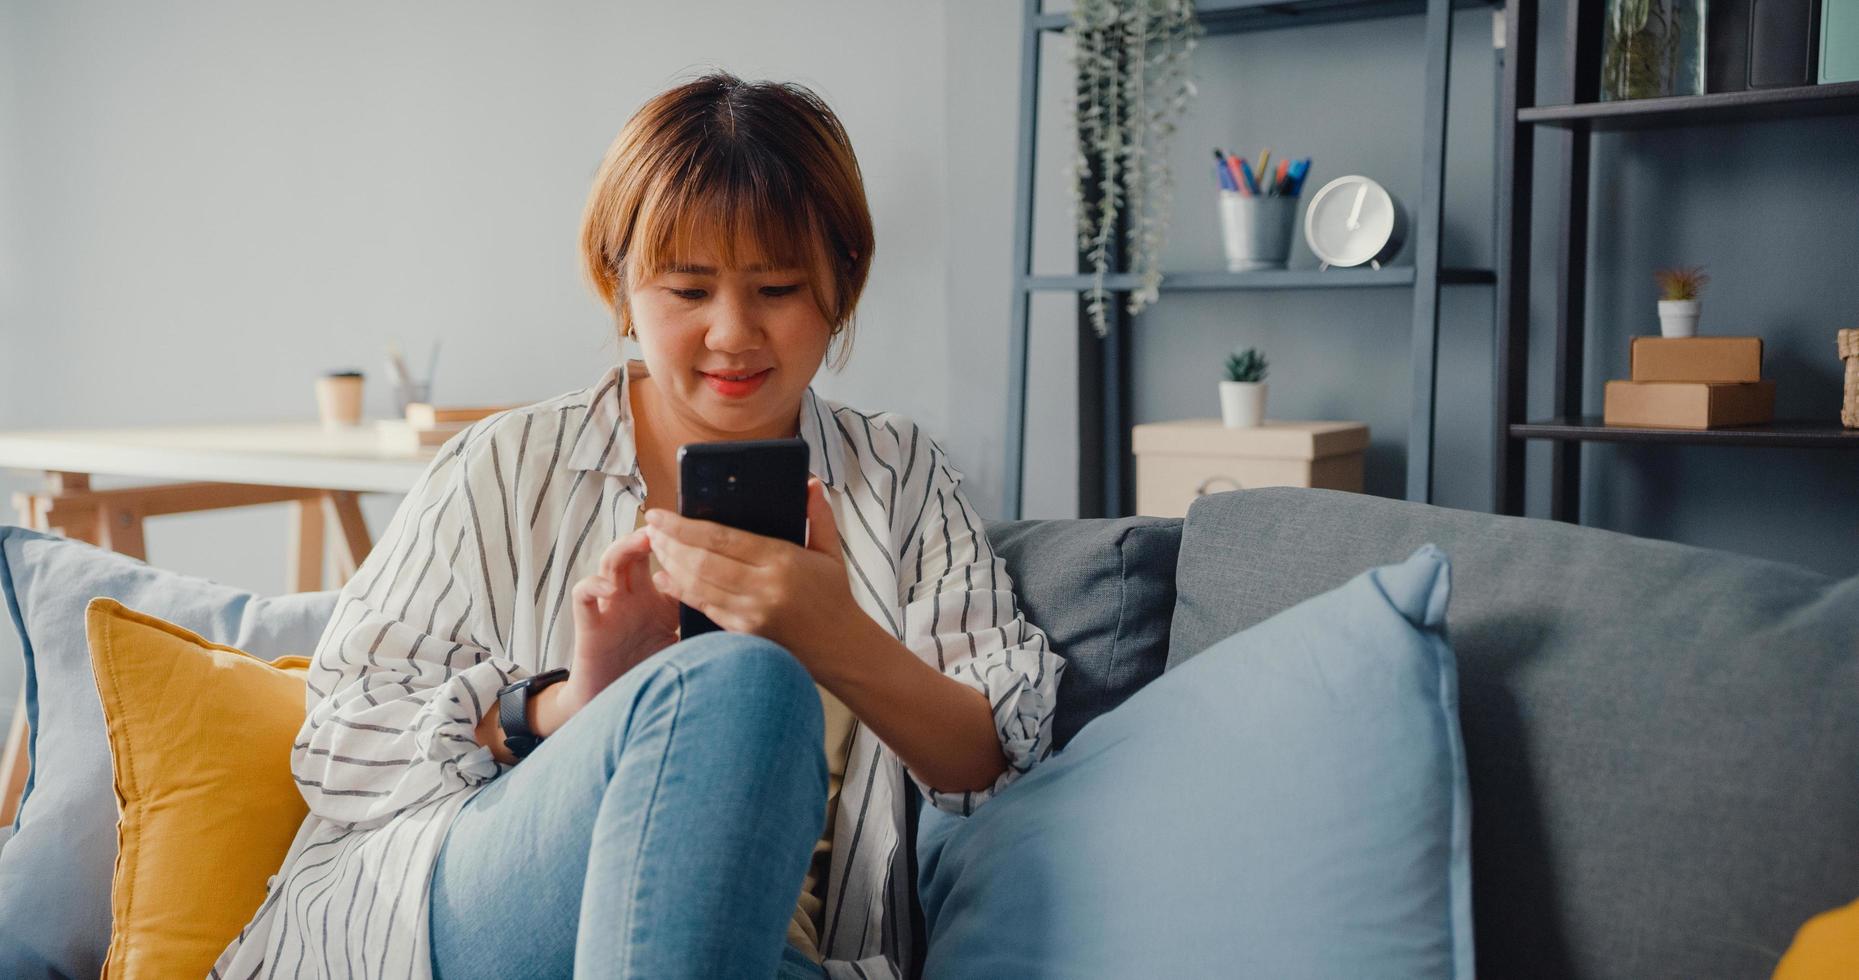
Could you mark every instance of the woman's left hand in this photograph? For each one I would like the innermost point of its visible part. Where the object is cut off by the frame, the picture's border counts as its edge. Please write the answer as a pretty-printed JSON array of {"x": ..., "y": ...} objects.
[{"x": 752, "y": 583}]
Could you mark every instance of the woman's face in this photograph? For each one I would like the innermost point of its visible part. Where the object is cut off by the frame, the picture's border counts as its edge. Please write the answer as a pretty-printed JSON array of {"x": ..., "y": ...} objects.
[{"x": 700, "y": 322}]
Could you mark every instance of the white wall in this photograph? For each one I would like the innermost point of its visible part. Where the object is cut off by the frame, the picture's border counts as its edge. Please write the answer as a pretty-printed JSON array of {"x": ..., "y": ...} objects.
[
  {"x": 203, "y": 205},
  {"x": 225, "y": 199},
  {"x": 12, "y": 273}
]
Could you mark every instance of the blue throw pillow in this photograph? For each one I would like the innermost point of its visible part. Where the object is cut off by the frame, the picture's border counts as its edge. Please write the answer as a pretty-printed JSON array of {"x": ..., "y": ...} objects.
[
  {"x": 1291, "y": 802},
  {"x": 55, "y": 867}
]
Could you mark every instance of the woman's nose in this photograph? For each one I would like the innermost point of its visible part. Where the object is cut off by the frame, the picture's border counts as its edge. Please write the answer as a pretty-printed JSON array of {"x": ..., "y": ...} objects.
[{"x": 733, "y": 326}]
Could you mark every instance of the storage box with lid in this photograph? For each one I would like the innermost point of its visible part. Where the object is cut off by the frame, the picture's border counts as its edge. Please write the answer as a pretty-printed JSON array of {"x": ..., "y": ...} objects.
[{"x": 1180, "y": 460}]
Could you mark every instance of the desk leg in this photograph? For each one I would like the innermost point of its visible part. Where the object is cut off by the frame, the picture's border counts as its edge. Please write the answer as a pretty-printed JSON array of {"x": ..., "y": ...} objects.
[
  {"x": 15, "y": 762},
  {"x": 35, "y": 510},
  {"x": 120, "y": 530},
  {"x": 306, "y": 546},
  {"x": 353, "y": 529}
]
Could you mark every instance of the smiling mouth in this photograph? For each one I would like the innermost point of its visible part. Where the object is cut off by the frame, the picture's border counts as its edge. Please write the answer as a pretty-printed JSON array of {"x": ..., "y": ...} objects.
[{"x": 738, "y": 387}]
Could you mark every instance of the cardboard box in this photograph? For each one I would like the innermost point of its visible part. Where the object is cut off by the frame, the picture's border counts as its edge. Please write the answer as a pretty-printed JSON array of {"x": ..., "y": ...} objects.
[
  {"x": 1712, "y": 359},
  {"x": 1688, "y": 405},
  {"x": 1180, "y": 461}
]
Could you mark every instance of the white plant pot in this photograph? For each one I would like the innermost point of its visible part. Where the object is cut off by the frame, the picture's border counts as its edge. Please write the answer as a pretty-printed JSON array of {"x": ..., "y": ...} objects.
[
  {"x": 1242, "y": 404},
  {"x": 1678, "y": 317}
]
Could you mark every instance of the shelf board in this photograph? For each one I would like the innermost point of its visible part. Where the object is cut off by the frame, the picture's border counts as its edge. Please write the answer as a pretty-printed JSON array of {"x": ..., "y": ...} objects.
[
  {"x": 1237, "y": 16},
  {"x": 1692, "y": 110},
  {"x": 1810, "y": 434},
  {"x": 1216, "y": 280}
]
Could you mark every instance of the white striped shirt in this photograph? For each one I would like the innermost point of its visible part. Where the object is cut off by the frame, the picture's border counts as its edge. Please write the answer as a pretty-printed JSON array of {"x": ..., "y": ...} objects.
[{"x": 465, "y": 591}]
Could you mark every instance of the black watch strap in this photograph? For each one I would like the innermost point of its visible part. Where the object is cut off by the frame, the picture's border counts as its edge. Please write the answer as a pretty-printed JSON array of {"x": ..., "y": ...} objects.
[{"x": 513, "y": 710}]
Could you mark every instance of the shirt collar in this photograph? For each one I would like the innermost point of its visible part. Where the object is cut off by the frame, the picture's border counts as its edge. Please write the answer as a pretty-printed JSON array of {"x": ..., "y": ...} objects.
[{"x": 604, "y": 437}]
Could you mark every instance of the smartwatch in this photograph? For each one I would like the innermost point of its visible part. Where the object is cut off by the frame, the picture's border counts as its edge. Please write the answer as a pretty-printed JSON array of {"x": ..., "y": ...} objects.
[{"x": 513, "y": 710}]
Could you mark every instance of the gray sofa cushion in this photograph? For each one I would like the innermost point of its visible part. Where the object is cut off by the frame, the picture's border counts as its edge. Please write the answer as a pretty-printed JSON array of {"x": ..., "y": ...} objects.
[
  {"x": 1103, "y": 591},
  {"x": 1662, "y": 740}
]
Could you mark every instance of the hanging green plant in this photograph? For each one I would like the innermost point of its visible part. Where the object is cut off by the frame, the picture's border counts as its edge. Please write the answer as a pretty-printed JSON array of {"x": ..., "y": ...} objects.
[{"x": 1132, "y": 61}]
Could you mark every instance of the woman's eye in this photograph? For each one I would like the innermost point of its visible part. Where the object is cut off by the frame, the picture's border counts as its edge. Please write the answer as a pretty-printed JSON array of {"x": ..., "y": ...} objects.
[{"x": 697, "y": 294}]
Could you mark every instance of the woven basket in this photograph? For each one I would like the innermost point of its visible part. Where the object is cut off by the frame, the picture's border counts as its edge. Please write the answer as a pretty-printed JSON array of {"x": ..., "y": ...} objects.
[{"x": 1849, "y": 352}]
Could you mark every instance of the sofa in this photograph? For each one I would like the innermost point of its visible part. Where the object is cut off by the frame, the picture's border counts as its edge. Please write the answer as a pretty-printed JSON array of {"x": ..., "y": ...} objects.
[{"x": 1660, "y": 740}]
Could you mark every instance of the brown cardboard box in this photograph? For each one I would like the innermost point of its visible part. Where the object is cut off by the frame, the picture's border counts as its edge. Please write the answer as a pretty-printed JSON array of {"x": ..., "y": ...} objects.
[
  {"x": 1182, "y": 460},
  {"x": 1688, "y": 405},
  {"x": 1713, "y": 359}
]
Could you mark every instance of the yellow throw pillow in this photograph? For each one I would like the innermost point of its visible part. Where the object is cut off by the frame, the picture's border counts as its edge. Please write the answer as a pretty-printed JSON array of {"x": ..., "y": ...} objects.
[
  {"x": 200, "y": 738},
  {"x": 1826, "y": 948}
]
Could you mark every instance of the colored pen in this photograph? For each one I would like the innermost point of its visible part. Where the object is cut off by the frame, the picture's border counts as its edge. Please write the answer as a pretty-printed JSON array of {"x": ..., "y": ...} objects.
[
  {"x": 1299, "y": 171},
  {"x": 1223, "y": 173},
  {"x": 1246, "y": 172},
  {"x": 1233, "y": 168}
]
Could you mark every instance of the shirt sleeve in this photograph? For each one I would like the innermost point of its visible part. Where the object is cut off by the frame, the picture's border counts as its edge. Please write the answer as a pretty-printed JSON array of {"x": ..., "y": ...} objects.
[
  {"x": 410, "y": 661},
  {"x": 960, "y": 613}
]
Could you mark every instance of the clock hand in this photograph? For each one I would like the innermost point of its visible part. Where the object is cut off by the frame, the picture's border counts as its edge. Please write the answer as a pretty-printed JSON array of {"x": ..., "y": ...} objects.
[{"x": 1355, "y": 213}]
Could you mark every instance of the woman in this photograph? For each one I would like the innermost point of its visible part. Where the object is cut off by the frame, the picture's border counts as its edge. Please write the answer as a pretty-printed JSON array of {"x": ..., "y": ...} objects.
[{"x": 680, "y": 814}]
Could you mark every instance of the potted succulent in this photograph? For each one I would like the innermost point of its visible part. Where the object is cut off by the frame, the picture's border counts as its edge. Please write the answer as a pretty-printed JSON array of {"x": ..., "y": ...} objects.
[
  {"x": 1242, "y": 394},
  {"x": 1678, "y": 300}
]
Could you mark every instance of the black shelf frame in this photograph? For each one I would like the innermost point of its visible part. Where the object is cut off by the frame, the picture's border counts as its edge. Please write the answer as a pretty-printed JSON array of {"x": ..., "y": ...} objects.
[
  {"x": 1801, "y": 434},
  {"x": 1567, "y": 129},
  {"x": 1235, "y": 16},
  {"x": 1386, "y": 277},
  {"x": 1104, "y": 414},
  {"x": 1837, "y": 98}
]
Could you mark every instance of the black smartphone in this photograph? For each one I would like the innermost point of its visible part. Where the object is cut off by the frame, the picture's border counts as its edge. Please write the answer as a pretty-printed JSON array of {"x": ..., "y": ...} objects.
[{"x": 756, "y": 485}]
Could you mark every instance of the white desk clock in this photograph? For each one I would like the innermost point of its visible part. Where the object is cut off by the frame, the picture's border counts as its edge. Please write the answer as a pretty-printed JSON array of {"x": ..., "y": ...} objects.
[{"x": 1353, "y": 220}]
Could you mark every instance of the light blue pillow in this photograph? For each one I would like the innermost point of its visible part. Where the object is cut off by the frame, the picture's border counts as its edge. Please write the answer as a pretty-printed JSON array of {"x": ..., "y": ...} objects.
[
  {"x": 1291, "y": 802},
  {"x": 55, "y": 867}
]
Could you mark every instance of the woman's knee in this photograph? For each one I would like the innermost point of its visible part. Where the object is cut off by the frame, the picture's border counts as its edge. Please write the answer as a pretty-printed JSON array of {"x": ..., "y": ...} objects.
[
  {"x": 740, "y": 660},
  {"x": 751, "y": 680}
]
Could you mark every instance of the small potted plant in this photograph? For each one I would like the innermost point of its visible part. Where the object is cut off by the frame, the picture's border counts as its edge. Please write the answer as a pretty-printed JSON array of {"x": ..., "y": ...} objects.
[
  {"x": 1242, "y": 394},
  {"x": 1678, "y": 300}
]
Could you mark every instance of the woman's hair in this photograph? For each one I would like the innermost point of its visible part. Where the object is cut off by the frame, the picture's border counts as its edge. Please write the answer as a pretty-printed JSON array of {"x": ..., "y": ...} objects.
[{"x": 720, "y": 161}]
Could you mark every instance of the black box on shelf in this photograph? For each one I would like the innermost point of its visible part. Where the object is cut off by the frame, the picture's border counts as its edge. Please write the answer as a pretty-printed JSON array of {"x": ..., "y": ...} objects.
[
  {"x": 1784, "y": 42},
  {"x": 1726, "y": 45}
]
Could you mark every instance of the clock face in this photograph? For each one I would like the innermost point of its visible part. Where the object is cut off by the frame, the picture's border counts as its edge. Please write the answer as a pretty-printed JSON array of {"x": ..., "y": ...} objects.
[{"x": 1349, "y": 221}]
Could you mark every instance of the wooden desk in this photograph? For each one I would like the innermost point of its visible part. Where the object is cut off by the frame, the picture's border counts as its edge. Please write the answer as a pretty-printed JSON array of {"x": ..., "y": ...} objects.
[
  {"x": 320, "y": 473},
  {"x": 220, "y": 466}
]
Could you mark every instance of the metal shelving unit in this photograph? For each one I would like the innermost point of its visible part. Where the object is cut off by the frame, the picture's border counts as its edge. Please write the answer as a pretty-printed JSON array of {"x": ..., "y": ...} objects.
[
  {"x": 1104, "y": 364},
  {"x": 1815, "y": 434},
  {"x": 1571, "y": 126}
]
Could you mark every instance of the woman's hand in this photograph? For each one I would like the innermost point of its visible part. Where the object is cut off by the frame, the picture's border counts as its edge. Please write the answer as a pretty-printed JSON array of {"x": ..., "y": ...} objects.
[
  {"x": 619, "y": 620},
  {"x": 752, "y": 583}
]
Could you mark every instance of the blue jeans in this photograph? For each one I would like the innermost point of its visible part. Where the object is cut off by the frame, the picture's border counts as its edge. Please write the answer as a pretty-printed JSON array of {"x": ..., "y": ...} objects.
[{"x": 663, "y": 831}]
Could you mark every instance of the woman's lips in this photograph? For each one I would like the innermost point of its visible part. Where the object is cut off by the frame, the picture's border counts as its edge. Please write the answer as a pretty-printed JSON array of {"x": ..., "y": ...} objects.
[{"x": 736, "y": 389}]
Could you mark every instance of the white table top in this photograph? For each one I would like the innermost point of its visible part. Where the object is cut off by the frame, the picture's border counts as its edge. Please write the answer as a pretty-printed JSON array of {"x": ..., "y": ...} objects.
[{"x": 283, "y": 454}]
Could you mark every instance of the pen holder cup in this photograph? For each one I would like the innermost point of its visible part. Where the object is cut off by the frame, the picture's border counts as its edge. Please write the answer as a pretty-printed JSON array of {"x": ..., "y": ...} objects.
[
  {"x": 1256, "y": 230},
  {"x": 408, "y": 392}
]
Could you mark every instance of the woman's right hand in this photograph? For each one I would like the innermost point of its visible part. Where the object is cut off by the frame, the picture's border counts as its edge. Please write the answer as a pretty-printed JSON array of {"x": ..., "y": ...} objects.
[{"x": 620, "y": 619}]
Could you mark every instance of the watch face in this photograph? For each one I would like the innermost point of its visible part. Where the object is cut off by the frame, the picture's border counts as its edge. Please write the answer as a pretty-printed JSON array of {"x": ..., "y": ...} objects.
[{"x": 1349, "y": 221}]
